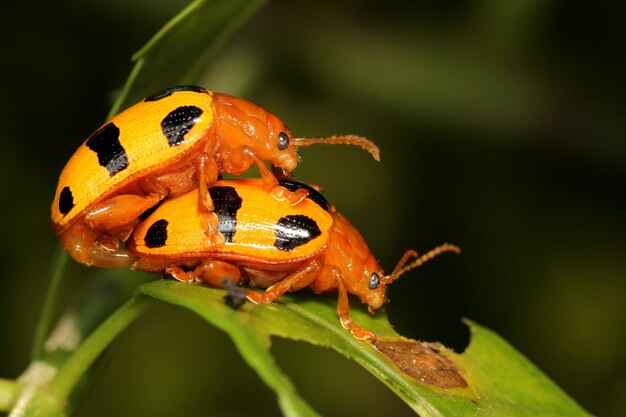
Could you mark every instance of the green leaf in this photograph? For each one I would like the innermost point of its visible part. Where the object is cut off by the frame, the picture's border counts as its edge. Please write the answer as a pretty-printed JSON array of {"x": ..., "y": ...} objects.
[{"x": 490, "y": 379}]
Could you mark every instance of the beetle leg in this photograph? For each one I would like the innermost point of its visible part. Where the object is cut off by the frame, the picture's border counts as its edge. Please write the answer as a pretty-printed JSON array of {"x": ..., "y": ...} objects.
[
  {"x": 270, "y": 181},
  {"x": 213, "y": 272},
  {"x": 303, "y": 277},
  {"x": 180, "y": 275},
  {"x": 82, "y": 243},
  {"x": 119, "y": 211},
  {"x": 280, "y": 193},
  {"x": 343, "y": 311},
  {"x": 223, "y": 275},
  {"x": 207, "y": 175}
]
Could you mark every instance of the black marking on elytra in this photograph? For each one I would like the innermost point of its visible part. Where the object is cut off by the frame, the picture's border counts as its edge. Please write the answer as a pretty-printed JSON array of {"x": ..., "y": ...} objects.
[
  {"x": 227, "y": 203},
  {"x": 179, "y": 122},
  {"x": 156, "y": 235},
  {"x": 295, "y": 230},
  {"x": 143, "y": 216},
  {"x": 314, "y": 195},
  {"x": 66, "y": 200},
  {"x": 169, "y": 91},
  {"x": 105, "y": 142}
]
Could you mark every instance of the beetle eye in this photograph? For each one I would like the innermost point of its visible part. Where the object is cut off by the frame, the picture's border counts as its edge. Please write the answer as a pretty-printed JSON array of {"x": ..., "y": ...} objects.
[
  {"x": 374, "y": 281},
  {"x": 283, "y": 141}
]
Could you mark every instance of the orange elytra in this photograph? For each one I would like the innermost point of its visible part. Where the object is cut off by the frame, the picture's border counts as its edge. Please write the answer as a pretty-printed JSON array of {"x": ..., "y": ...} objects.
[
  {"x": 172, "y": 142},
  {"x": 269, "y": 244}
]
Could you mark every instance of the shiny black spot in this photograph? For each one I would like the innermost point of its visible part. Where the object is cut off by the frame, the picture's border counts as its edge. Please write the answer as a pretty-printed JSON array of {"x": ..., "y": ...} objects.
[
  {"x": 156, "y": 235},
  {"x": 314, "y": 195},
  {"x": 227, "y": 203},
  {"x": 66, "y": 200},
  {"x": 295, "y": 230},
  {"x": 374, "y": 281},
  {"x": 105, "y": 142},
  {"x": 179, "y": 122},
  {"x": 169, "y": 91},
  {"x": 283, "y": 141}
]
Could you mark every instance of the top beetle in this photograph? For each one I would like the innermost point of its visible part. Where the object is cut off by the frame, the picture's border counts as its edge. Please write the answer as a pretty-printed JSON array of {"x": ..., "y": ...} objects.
[{"x": 168, "y": 144}]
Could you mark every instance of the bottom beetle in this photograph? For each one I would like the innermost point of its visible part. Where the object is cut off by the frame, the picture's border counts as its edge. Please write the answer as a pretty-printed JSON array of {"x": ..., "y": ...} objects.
[{"x": 269, "y": 244}]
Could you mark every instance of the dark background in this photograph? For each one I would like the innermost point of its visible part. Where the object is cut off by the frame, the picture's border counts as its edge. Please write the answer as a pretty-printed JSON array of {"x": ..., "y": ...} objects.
[{"x": 501, "y": 127}]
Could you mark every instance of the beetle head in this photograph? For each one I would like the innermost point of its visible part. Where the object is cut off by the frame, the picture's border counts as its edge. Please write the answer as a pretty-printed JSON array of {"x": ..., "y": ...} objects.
[
  {"x": 242, "y": 125},
  {"x": 373, "y": 289}
]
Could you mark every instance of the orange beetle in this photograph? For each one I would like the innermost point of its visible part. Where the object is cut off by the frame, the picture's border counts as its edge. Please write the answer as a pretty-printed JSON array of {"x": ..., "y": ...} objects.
[
  {"x": 172, "y": 142},
  {"x": 269, "y": 244}
]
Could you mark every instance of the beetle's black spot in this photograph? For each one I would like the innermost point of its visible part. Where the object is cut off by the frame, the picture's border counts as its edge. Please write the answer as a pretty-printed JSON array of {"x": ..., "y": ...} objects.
[
  {"x": 295, "y": 230},
  {"x": 227, "y": 202},
  {"x": 143, "y": 216},
  {"x": 66, "y": 200},
  {"x": 156, "y": 235},
  {"x": 105, "y": 142},
  {"x": 169, "y": 91},
  {"x": 314, "y": 195},
  {"x": 179, "y": 122}
]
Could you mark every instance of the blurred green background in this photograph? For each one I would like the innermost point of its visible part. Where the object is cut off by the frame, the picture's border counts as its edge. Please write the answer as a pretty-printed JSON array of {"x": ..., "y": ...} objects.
[{"x": 501, "y": 127}]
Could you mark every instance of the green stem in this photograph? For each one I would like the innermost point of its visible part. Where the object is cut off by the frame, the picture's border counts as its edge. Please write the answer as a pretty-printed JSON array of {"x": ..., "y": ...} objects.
[
  {"x": 8, "y": 394},
  {"x": 168, "y": 27},
  {"x": 123, "y": 95},
  {"x": 74, "y": 368},
  {"x": 59, "y": 264}
]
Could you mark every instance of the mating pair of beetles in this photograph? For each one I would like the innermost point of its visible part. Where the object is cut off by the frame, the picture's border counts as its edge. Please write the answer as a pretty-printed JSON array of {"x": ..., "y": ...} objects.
[{"x": 145, "y": 191}]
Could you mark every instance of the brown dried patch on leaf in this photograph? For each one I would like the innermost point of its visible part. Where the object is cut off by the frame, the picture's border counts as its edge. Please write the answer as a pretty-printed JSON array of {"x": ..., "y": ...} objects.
[{"x": 424, "y": 362}]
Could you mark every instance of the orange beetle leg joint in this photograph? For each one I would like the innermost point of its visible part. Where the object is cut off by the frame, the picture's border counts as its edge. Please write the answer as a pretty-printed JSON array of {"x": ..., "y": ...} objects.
[
  {"x": 357, "y": 331},
  {"x": 297, "y": 196},
  {"x": 214, "y": 272},
  {"x": 209, "y": 222},
  {"x": 271, "y": 183},
  {"x": 208, "y": 173},
  {"x": 180, "y": 275},
  {"x": 280, "y": 193},
  {"x": 343, "y": 311},
  {"x": 268, "y": 177},
  {"x": 83, "y": 245},
  {"x": 300, "y": 279}
]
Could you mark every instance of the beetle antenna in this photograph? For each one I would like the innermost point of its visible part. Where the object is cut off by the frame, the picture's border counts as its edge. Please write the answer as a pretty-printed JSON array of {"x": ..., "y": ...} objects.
[
  {"x": 360, "y": 141},
  {"x": 401, "y": 268}
]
